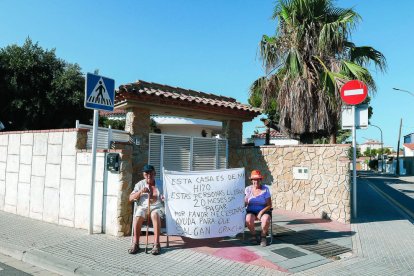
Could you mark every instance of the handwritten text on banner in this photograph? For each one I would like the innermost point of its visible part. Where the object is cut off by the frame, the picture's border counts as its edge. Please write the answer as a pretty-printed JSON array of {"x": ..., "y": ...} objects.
[{"x": 205, "y": 204}]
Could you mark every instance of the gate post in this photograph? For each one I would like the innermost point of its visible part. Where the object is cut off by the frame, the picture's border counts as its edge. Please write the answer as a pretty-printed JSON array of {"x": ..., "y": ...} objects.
[
  {"x": 138, "y": 125},
  {"x": 233, "y": 131}
]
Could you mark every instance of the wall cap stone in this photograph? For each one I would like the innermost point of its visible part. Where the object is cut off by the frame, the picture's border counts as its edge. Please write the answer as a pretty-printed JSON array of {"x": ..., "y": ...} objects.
[
  {"x": 299, "y": 146},
  {"x": 45, "y": 131}
]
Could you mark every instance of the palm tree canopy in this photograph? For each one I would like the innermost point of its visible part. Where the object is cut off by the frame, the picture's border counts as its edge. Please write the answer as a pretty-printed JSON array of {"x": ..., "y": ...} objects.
[{"x": 308, "y": 60}]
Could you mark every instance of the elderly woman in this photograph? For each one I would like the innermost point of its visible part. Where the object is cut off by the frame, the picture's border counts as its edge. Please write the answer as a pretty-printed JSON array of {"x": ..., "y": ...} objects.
[{"x": 259, "y": 204}]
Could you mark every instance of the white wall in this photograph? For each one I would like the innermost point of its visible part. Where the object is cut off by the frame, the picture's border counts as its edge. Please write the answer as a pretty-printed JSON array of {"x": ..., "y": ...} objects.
[
  {"x": 185, "y": 130},
  {"x": 45, "y": 177},
  {"x": 408, "y": 152}
]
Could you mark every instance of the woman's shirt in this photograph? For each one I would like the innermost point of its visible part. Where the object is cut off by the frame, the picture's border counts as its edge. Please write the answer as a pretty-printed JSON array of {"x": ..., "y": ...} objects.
[{"x": 256, "y": 203}]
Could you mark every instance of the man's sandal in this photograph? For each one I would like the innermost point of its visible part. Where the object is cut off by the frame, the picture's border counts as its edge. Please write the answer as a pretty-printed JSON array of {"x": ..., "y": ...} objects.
[
  {"x": 134, "y": 248},
  {"x": 156, "y": 249}
]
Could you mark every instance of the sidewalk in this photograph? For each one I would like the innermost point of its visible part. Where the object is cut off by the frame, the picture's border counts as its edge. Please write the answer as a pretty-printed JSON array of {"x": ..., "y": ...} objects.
[
  {"x": 384, "y": 244},
  {"x": 406, "y": 185},
  {"x": 301, "y": 242}
]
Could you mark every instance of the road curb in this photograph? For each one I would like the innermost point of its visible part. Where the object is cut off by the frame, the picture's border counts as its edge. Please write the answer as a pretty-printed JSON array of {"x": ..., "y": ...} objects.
[
  {"x": 356, "y": 243},
  {"x": 14, "y": 251},
  {"x": 47, "y": 261}
]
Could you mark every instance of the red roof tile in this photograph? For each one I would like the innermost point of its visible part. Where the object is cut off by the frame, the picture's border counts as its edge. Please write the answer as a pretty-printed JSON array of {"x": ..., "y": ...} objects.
[
  {"x": 273, "y": 134},
  {"x": 372, "y": 142},
  {"x": 142, "y": 88},
  {"x": 410, "y": 146},
  {"x": 109, "y": 113}
]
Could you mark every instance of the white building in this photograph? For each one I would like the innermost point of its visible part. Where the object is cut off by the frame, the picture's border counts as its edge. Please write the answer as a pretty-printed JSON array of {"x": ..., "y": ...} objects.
[
  {"x": 176, "y": 125},
  {"x": 276, "y": 138},
  {"x": 188, "y": 127},
  {"x": 372, "y": 144},
  {"x": 408, "y": 149}
]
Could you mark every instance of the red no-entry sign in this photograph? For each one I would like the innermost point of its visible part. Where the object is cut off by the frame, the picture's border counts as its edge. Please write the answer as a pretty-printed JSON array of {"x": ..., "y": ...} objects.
[{"x": 354, "y": 92}]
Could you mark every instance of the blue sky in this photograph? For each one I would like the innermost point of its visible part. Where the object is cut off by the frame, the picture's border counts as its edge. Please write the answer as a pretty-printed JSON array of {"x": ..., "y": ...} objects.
[{"x": 209, "y": 46}]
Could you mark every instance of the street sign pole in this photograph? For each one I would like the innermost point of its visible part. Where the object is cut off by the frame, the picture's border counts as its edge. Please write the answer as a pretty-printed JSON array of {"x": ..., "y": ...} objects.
[
  {"x": 352, "y": 93},
  {"x": 99, "y": 95},
  {"x": 93, "y": 168},
  {"x": 354, "y": 187}
]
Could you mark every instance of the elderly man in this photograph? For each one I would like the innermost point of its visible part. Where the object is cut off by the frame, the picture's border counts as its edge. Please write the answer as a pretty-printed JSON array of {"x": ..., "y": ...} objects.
[{"x": 151, "y": 187}]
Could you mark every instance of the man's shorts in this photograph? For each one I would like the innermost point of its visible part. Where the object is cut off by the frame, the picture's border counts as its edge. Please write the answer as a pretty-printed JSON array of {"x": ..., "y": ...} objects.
[{"x": 143, "y": 211}]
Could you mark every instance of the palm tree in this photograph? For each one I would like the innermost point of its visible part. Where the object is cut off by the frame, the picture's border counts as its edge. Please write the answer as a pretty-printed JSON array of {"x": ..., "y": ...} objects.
[{"x": 307, "y": 61}]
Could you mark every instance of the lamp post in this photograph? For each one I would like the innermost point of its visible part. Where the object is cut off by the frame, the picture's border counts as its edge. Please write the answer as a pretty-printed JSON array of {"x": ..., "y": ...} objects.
[
  {"x": 403, "y": 90},
  {"x": 397, "y": 169},
  {"x": 382, "y": 148}
]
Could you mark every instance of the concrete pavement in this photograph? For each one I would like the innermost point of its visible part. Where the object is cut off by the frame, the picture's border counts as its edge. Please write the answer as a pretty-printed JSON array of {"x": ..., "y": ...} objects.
[
  {"x": 379, "y": 242},
  {"x": 301, "y": 242},
  {"x": 384, "y": 243}
]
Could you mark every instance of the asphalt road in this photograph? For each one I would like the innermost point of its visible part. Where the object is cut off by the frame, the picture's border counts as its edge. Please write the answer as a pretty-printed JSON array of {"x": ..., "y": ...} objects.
[
  {"x": 393, "y": 197},
  {"x": 11, "y": 267},
  {"x": 8, "y": 270}
]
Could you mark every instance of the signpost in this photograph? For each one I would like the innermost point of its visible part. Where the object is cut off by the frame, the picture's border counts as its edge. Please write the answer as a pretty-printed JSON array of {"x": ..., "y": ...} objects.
[
  {"x": 99, "y": 95},
  {"x": 354, "y": 92},
  {"x": 361, "y": 117}
]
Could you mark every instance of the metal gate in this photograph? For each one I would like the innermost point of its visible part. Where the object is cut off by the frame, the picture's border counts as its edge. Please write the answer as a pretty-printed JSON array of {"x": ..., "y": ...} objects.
[{"x": 184, "y": 153}]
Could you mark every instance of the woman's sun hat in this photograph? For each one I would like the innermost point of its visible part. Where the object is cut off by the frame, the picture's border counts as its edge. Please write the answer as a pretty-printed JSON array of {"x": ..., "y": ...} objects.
[{"x": 256, "y": 174}]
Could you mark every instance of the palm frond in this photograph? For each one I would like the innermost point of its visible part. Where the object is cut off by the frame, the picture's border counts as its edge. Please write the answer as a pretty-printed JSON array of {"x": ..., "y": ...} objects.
[
  {"x": 364, "y": 55},
  {"x": 335, "y": 31},
  {"x": 358, "y": 72}
]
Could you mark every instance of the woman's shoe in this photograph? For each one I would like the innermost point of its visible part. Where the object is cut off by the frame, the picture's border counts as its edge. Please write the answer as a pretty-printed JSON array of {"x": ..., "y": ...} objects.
[
  {"x": 134, "y": 248},
  {"x": 263, "y": 241}
]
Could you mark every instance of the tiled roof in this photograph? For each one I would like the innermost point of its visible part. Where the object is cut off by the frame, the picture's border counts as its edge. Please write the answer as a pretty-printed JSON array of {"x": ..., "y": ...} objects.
[
  {"x": 109, "y": 113},
  {"x": 154, "y": 90},
  {"x": 362, "y": 158},
  {"x": 371, "y": 142},
  {"x": 410, "y": 146},
  {"x": 273, "y": 134}
]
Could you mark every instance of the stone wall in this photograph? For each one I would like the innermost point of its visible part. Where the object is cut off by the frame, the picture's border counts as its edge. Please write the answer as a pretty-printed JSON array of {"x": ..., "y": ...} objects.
[
  {"x": 326, "y": 192},
  {"x": 120, "y": 186}
]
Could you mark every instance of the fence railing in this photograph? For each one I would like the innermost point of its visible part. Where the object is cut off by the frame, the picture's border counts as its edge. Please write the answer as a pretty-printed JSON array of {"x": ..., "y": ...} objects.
[{"x": 105, "y": 136}]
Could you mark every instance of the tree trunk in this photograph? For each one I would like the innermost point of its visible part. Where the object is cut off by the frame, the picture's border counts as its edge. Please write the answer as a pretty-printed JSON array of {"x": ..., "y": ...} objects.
[
  {"x": 306, "y": 138},
  {"x": 267, "y": 137},
  {"x": 332, "y": 138}
]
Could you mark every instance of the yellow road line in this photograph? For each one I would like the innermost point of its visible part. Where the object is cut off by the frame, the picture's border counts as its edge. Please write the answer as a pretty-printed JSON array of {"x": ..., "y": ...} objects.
[{"x": 378, "y": 190}]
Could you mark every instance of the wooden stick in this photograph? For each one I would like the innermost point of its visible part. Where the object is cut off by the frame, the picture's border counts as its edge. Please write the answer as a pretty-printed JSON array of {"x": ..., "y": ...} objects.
[{"x": 148, "y": 218}]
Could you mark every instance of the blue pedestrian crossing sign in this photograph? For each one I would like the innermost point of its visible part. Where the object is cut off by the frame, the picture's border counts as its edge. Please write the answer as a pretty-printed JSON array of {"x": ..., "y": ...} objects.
[{"x": 99, "y": 92}]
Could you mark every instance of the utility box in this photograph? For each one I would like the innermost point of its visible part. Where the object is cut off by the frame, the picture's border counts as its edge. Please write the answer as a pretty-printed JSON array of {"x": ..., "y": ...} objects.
[
  {"x": 301, "y": 173},
  {"x": 112, "y": 162}
]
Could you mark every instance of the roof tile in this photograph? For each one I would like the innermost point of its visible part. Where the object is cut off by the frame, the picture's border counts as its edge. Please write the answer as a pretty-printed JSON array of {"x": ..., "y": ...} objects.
[
  {"x": 159, "y": 90},
  {"x": 273, "y": 134},
  {"x": 409, "y": 145}
]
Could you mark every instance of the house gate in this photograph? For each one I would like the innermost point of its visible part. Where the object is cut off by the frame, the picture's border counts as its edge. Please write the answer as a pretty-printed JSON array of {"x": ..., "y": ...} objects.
[{"x": 184, "y": 153}]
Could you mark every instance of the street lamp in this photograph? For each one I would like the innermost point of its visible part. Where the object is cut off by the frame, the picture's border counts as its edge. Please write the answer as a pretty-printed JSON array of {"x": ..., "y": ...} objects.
[
  {"x": 382, "y": 148},
  {"x": 397, "y": 169},
  {"x": 403, "y": 90}
]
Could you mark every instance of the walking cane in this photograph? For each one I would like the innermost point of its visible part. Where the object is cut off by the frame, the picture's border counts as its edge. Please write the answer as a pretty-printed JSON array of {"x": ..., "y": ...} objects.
[{"x": 148, "y": 218}]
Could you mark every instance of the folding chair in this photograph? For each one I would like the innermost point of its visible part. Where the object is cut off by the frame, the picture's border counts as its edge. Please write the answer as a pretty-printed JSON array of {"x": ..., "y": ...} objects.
[
  {"x": 150, "y": 227},
  {"x": 257, "y": 222}
]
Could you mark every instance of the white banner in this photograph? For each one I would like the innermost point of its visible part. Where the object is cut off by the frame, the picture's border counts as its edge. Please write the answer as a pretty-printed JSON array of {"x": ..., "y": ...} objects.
[{"x": 204, "y": 204}]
